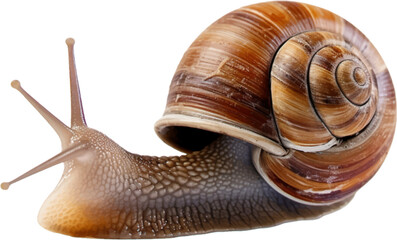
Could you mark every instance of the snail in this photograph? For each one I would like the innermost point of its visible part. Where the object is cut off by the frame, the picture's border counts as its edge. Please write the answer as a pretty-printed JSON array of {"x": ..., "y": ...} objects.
[{"x": 265, "y": 142}]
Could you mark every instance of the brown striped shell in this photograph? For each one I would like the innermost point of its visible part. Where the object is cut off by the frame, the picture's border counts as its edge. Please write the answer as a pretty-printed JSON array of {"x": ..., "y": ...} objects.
[{"x": 299, "y": 82}]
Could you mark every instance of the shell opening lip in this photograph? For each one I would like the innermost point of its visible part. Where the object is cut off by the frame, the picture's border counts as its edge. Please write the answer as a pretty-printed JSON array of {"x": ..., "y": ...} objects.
[
  {"x": 334, "y": 141},
  {"x": 162, "y": 128}
]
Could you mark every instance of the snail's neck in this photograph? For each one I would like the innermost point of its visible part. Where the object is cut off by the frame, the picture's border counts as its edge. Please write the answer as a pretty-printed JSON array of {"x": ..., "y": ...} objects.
[{"x": 216, "y": 188}]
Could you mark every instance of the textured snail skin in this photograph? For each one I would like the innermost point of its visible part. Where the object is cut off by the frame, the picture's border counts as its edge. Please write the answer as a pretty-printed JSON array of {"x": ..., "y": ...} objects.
[
  {"x": 124, "y": 195},
  {"x": 107, "y": 192}
]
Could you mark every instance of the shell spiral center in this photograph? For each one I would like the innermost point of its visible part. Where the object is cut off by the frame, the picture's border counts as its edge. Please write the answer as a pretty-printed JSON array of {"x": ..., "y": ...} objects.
[{"x": 322, "y": 90}]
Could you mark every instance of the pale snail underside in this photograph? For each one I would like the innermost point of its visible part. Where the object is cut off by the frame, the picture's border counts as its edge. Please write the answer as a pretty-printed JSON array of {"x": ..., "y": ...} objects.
[{"x": 307, "y": 110}]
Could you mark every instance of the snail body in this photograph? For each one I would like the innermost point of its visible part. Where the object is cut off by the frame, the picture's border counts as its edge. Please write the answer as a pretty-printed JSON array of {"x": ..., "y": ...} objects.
[{"x": 265, "y": 142}]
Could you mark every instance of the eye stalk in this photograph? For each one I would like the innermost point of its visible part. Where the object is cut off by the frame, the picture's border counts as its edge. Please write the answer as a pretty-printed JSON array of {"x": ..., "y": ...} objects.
[
  {"x": 64, "y": 132},
  {"x": 77, "y": 113}
]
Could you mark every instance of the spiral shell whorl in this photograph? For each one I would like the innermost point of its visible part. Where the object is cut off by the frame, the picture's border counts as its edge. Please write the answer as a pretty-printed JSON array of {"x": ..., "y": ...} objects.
[
  {"x": 330, "y": 112},
  {"x": 299, "y": 82},
  {"x": 321, "y": 91}
]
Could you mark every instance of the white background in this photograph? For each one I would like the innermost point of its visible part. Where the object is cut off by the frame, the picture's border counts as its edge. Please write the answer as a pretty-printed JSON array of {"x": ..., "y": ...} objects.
[{"x": 126, "y": 55}]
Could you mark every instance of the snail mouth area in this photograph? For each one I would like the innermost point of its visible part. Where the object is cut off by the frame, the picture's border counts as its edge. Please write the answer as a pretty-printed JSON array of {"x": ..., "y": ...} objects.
[
  {"x": 69, "y": 218},
  {"x": 77, "y": 212}
]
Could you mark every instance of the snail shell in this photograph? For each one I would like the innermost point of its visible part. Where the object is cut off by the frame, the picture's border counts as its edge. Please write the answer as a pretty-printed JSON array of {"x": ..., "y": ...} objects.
[
  {"x": 299, "y": 82},
  {"x": 285, "y": 151}
]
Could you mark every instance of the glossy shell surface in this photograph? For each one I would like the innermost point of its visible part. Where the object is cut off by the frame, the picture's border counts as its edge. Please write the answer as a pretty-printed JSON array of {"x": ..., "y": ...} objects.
[{"x": 309, "y": 88}]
